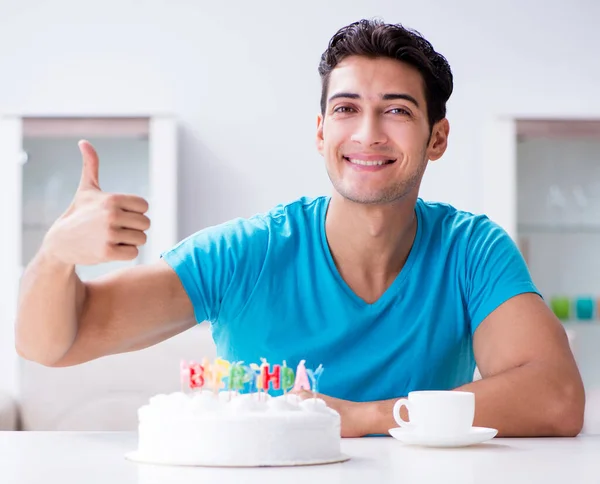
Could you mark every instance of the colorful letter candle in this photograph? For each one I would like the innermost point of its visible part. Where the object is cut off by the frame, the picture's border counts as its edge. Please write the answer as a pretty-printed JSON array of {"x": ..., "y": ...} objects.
[
  {"x": 287, "y": 377},
  {"x": 314, "y": 377},
  {"x": 208, "y": 377},
  {"x": 220, "y": 368},
  {"x": 301, "y": 378},
  {"x": 197, "y": 376},
  {"x": 192, "y": 374},
  {"x": 236, "y": 377},
  {"x": 270, "y": 377},
  {"x": 256, "y": 376},
  {"x": 248, "y": 374},
  {"x": 249, "y": 377}
]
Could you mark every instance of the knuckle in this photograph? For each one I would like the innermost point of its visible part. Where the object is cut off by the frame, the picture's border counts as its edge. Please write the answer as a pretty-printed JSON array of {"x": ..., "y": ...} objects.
[
  {"x": 111, "y": 216},
  {"x": 111, "y": 234},
  {"x": 111, "y": 200}
]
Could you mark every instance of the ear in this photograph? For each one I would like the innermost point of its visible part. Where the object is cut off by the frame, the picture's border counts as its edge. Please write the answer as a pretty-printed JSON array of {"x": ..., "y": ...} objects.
[
  {"x": 439, "y": 140},
  {"x": 319, "y": 139}
]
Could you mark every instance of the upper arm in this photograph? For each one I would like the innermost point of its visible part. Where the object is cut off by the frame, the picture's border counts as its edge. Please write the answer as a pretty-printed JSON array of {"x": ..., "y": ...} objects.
[
  {"x": 520, "y": 331},
  {"x": 130, "y": 309},
  {"x": 511, "y": 324}
]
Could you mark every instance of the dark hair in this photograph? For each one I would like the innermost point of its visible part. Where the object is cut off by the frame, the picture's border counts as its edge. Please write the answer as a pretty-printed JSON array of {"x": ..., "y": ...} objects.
[{"x": 374, "y": 38}]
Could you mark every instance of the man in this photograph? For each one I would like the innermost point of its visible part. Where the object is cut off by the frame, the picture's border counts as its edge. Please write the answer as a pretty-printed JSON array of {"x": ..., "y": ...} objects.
[{"x": 388, "y": 292}]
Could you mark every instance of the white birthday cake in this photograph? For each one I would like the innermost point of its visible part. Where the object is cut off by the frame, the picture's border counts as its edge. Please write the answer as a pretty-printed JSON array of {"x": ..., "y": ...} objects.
[{"x": 223, "y": 427}]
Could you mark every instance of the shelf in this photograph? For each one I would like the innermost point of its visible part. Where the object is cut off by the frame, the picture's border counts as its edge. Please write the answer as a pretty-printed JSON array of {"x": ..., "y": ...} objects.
[
  {"x": 565, "y": 229},
  {"x": 577, "y": 323}
]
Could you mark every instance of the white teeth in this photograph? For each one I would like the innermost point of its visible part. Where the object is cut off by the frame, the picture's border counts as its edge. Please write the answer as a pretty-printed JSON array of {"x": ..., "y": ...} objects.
[{"x": 367, "y": 163}]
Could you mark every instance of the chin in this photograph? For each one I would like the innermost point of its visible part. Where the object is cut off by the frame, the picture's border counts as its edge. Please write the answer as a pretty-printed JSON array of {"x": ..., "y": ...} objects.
[
  {"x": 381, "y": 196},
  {"x": 367, "y": 198}
]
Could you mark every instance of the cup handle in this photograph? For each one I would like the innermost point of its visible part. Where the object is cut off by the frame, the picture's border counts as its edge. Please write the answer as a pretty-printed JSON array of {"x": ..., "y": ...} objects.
[{"x": 403, "y": 402}]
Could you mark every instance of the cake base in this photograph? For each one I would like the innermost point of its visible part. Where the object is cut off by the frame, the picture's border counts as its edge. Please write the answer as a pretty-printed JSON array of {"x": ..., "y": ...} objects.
[{"x": 137, "y": 457}]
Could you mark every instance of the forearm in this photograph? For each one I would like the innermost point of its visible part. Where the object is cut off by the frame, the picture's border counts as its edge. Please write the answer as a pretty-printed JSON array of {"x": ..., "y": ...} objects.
[
  {"x": 51, "y": 299},
  {"x": 530, "y": 400},
  {"x": 535, "y": 399}
]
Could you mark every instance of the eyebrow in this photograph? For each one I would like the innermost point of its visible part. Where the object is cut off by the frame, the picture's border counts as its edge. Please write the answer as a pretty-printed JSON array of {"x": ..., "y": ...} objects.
[{"x": 385, "y": 97}]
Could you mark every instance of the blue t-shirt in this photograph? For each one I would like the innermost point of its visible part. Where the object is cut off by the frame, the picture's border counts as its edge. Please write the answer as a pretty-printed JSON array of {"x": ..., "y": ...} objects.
[{"x": 270, "y": 289}]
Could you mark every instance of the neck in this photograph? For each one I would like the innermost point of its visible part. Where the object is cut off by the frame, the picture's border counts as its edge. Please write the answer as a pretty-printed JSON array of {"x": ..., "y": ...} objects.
[{"x": 370, "y": 243}]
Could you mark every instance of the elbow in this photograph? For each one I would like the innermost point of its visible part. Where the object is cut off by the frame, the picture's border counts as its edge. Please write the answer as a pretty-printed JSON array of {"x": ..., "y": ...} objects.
[
  {"x": 44, "y": 359},
  {"x": 570, "y": 409},
  {"x": 42, "y": 350}
]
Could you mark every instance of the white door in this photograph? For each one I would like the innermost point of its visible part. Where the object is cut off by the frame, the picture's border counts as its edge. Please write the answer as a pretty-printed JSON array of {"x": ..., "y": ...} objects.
[{"x": 10, "y": 247}]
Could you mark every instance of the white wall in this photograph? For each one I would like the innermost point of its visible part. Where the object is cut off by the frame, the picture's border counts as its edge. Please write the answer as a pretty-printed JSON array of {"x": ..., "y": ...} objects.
[{"x": 242, "y": 79}]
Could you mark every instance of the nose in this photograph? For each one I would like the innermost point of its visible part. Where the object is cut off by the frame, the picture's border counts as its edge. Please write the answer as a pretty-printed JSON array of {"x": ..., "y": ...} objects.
[{"x": 369, "y": 132}]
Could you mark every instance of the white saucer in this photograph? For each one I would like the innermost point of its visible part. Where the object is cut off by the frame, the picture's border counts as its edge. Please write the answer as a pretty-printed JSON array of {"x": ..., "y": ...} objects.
[
  {"x": 476, "y": 435},
  {"x": 136, "y": 456}
]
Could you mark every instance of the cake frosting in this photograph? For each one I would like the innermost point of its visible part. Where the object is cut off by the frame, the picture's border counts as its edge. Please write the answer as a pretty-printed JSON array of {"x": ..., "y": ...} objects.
[{"x": 225, "y": 428}]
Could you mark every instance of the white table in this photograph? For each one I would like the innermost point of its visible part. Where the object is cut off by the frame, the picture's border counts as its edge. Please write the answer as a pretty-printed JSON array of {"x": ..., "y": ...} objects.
[{"x": 98, "y": 457}]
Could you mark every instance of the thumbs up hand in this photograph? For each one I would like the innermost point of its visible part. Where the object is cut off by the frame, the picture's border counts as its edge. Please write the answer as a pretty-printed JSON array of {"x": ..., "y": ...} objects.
[{"x": 98, "y": 226}]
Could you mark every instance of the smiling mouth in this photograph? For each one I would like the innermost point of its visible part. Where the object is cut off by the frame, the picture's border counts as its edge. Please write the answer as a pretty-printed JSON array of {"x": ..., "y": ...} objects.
[{"x": 381, "y": 162}]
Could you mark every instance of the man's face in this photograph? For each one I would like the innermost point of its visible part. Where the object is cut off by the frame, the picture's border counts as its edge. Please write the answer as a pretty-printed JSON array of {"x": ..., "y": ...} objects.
[{"x": 374, "y": 134}]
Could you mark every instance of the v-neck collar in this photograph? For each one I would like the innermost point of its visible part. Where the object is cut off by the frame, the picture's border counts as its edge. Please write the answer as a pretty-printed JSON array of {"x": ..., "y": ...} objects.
[{"x": 394, "y": 287}]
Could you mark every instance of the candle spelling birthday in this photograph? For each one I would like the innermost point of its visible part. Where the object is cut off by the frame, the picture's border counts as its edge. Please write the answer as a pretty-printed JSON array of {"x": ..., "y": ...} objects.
[{"x": 234, "y": 376}]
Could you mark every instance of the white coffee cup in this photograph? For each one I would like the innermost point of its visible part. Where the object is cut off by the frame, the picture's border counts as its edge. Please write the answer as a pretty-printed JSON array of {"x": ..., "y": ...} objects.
[{"x": 437, "y": 413}]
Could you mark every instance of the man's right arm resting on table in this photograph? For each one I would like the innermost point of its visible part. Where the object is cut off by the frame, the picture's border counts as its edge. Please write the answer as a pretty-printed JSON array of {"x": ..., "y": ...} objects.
[{"x": 62, "y": 321}]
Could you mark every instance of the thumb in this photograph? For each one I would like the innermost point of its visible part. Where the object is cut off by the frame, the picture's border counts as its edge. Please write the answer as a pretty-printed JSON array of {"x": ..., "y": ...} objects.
[{"x": 89, "y": 172}]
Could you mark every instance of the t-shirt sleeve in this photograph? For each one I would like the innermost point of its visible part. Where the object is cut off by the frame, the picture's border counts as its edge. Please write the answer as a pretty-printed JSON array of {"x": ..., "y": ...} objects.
[
  {"x": 496, "y": 270},
  {"x": 219, "y": 266}
]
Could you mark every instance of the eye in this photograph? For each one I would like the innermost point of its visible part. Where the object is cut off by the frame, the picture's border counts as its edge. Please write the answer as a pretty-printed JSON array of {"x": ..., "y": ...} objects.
[
  {"x": 343, "y": 109},
  {"x": 401, "y": 111}
]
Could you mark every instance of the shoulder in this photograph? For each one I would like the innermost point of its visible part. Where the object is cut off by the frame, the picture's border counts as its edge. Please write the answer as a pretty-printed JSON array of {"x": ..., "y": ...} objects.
[
  {"x": 443, "y": 220},
  {"x": 259, "y": 227},
  {"x": 299, "y": 209}
]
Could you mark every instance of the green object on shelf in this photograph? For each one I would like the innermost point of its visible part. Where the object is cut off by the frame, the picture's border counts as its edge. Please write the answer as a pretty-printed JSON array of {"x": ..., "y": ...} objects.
[{"x": 561, "y": 306}]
